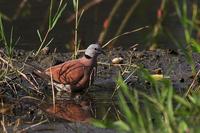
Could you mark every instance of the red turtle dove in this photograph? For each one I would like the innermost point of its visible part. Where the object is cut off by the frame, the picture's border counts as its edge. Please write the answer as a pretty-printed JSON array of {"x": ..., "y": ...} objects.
[{"x": 75, "y": 75}]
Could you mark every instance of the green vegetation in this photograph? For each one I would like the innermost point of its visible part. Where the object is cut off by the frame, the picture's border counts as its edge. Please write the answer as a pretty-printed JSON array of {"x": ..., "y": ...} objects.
[
  {"x": 77, "y": 21},
  {"x": 163, "y": 109},
  {"x": 189, "y": 24},
  {"x": 53, "y": 19},
  {"x": 9, "y": 43}
]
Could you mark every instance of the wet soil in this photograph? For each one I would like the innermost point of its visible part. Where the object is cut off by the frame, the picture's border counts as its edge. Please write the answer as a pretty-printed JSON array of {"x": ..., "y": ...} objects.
[{"x": 25, "y": 105}]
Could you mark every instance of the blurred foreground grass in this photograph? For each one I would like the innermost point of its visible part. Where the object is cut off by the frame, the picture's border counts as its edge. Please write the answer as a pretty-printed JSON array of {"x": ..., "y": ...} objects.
[{"x": 163, "y": 110}]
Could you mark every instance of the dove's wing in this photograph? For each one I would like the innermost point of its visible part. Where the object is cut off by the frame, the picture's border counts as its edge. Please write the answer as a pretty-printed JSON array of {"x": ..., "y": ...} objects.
[{"x": 70, "y": 72}]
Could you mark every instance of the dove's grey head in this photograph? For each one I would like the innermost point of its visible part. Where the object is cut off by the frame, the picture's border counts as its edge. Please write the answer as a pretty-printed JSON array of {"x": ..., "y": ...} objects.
[{"x": 94, "y": 50}]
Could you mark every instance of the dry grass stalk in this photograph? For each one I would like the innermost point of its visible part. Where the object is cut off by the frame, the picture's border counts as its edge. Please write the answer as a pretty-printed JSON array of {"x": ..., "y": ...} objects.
[
  {"x": 125, "y": 33},
  {"x": 53, "y": 92},
  {"x": 35, "y": 88},
  {"x": 192, "y": 84},
  {"x": 32, "y": 126},
  {"x": 85, "y": 8},
  {"x": 108, "y": 20},
  {"x": 126, "y": 18}
]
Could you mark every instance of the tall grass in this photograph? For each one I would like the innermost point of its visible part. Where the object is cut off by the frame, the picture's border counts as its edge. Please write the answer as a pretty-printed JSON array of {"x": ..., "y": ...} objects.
[
  {"x": 161, "y": 13},
  {"x": 161, "y": 111},
  {"x": 52, "y": 21},
  {"x": 8, "y": 42},
  {"x": 77, "y": 21},
  {"x": 187, "y": 14},
  {"x": 188, "y": 19}
]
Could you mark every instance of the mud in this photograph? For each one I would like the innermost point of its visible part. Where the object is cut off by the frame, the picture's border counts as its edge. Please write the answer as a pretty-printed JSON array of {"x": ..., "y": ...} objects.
[{"x": 23, "y": 104}]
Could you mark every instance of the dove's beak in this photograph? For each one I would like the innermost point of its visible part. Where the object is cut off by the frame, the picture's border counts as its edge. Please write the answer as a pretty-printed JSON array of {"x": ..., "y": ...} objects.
[{"x": 101, "y": 51}]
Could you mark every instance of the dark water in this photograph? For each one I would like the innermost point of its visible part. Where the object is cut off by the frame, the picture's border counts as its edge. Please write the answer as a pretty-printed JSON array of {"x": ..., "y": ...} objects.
[{"x": 34, "y": 16}]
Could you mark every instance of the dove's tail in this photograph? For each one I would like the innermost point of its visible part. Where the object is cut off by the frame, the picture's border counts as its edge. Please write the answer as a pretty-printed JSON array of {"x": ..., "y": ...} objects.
[
  {"x": 34, "y": 67},
  {"x": 38, "y": 71},
  {"x": 41, "y": 74}
]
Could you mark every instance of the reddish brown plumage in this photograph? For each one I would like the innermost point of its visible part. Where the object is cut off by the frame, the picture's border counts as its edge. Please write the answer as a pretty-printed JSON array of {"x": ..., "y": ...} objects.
[{"x": 77, "y": 73}]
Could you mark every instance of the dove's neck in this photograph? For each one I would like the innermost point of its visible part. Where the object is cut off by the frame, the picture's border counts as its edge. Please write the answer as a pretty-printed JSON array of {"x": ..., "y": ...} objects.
[
  {"x": 89, "y": 61},
  {"x": 87, "y": 56}
]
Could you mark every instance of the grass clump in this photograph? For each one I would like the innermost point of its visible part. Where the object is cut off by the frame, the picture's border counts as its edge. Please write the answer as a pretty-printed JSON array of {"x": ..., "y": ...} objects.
[
  {"x": 160, "y": 111},
  {"x": 9, "y": 43},
  {"x": 52, "y": 21}
]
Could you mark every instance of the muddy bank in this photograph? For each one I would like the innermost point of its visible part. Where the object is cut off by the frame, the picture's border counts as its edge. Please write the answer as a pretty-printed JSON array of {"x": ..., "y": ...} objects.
[{"x": 30, "y": 103}]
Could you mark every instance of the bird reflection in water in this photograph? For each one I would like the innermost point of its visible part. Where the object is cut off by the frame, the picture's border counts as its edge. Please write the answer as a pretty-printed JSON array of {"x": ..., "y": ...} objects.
[{"x": 72, "y": 107}]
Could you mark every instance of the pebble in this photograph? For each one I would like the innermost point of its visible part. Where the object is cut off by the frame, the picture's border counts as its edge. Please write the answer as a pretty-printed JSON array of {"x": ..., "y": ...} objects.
[{"x": 117, "y": 60}]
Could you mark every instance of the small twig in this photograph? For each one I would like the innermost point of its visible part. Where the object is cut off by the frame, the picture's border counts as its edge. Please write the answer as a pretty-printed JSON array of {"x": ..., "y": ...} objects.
[
  {"x": 109, "y": 64},
  {"x": 29, "y": 97},
  {"x": 34, "y": 125},
  {"x": 116, "y": 111},
  {"x": 3, "y": 125},
  {"x": 108, "y": 110},
  {"x": 15, "y": 89},
  {"x": 109, "y": 21},
  {"x": 19, "y": 9},
  {"x": 43, "y": 42},
  {"x": 125, "y": 33},
  {"x": 192, "y": 84},
  {"x": 3, "y": 119},
  {"x": 34, "y": 80},
  {"x": 81, "y": 51},
  {"x": 53, "y": 92},
  {"x": 76, "y": 29},
  {"x": 9, "y": 86},
  {"x": 4, "y": 128},
  {"x": 22, "y": 74},
  {"x": 117, "y": 87},
  {"x": 126, "y": 18},
  {"x": 85, "y": 8}
]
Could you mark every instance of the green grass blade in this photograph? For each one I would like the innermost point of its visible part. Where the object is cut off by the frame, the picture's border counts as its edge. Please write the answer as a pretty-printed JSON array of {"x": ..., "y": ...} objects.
[
  {"x": 56, "y": 17},
  {"x": 99, "y": 123},
  {"x": 11, "y": 37},
  {"x": 49, "y": 42},
  {"x": 39, "y": 35},
  {"x": 79, "y": 18},
  {"x": 182, "y": 101},
  {"x": 50, "y": 14},
  {"x": 75, "y": 4},
  {"x": 170, "y": 109},
  {"x": 121, "y": 126},
  {"x": 2, "y": 32}
]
